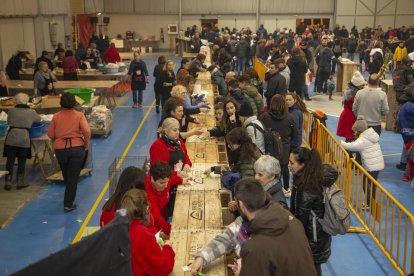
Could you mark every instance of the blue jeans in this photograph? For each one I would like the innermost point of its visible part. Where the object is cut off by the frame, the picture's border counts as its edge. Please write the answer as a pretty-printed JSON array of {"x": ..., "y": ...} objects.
[
  {"x": 137, "y": 96},
  {"x": 374, "y": 174},
  {"x": 241, "y": 65}
]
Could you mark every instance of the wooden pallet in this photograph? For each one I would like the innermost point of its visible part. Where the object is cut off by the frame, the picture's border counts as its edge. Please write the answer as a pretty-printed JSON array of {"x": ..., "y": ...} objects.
[
  {"x": 209, "y": 152},
  {"x": 59, "y": 177},
  {"x": 195, "y": 210},
  {"x": 187, "y": 243}
]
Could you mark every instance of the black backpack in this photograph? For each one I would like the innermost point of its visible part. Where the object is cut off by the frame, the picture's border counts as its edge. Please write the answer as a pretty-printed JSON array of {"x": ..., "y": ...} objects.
[{"x": 273, "y": 141}]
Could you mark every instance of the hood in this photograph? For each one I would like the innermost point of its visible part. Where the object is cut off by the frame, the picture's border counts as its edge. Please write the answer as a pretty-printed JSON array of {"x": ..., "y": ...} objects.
[
  {"x": 237, "y": 94},
  {"x": 249, "y": 120},
  {"x": 286, "y": 70},
  {"x": 371, "y": 135},
  {"x": 375, "y": 50},
  {"x": 272, "y": 220},
  {"x": 278, "y": 116}
]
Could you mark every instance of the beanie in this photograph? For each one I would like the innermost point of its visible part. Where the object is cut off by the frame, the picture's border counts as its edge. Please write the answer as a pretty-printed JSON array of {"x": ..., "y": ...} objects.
[
  {"x": 245, "y": 110},
  {"x": 360, "y": 124},
  {"x": 358, "y": 79}
]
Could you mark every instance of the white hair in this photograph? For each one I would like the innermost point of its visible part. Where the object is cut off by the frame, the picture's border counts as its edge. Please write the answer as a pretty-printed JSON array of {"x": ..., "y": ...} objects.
[
  {"x": 167, "y": 124},
  {"x": 267, "y": 165}
]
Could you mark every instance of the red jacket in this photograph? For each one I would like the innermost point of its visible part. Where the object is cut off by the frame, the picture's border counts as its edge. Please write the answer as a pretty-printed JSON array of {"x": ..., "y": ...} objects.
[
  {"x": 112, "y": 55},
  {"x": 346, "y": 120},
  {"x": 147, "y": 258},
  {"x": 108, "y": 216},
  {"x": 69, "y": 65},
  {"x": 159, "y": 151},
  {"x": 158, "y": 202}
]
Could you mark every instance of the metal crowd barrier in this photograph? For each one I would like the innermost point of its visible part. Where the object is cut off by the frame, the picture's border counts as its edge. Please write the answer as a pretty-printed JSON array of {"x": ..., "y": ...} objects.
[
  {"x": 381, "y": 216},
  {"x": 388, "y": 223}
]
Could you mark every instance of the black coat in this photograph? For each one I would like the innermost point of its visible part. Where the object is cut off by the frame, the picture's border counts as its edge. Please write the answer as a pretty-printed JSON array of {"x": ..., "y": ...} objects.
[
  {"x": 298, "y": 69},
  {"x": 276, "y": 84},
  {"x": 106, "y": 253},
  {"x": 167, "y": 78},
  {"x": 301, "y": 204},
  {"x": 284, "y": 123}
]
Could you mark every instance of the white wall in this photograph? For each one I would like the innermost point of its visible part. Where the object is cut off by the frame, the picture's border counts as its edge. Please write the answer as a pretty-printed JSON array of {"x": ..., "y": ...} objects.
[
  {"x": 362, "y": 13},
  {"x": 16, "y": 34}
]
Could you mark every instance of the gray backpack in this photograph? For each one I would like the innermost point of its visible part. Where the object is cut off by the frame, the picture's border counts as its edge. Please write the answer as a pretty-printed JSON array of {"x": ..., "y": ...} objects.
[{"x": 336, "y": 219}]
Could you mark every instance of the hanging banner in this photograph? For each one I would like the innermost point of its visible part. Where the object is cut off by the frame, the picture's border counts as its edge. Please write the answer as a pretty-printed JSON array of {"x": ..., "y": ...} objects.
[{"x": 86, "y": 28}]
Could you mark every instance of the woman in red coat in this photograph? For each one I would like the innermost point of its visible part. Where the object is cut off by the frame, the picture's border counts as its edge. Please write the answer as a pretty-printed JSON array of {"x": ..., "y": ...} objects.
[
  {"x": 69, "y": 66},
  {"x": 131, "y": 178},
  {"x": 347, "y": 117},
  {"x": 147, "y": 256},
  {"x": 171, "y": 149}
]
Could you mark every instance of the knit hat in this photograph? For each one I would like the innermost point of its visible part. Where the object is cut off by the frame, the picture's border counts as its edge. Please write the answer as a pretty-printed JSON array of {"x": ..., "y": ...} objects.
[
  {"x": 21, "y": 98},
  {"x": 245, "y": 110},
  {"x": 358, "y": 79},
  {"x": 360, "y": 124}
]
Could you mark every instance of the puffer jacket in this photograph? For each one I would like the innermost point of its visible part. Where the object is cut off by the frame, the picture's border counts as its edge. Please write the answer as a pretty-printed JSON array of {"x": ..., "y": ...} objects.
[
  {"x": 286, "y": 74},
  {"x": 368, "y": 145},
  {"x": 298, "y": 69},
  {"x": 252, "y": 93},
  {"x": 302, "y": 202},
  {"x": 274, "y": 188},
  {"x": 298, "y": 116},
  {"x": 399, "y": 53},
  {"x": 406, "y": 121},
  {"x": 217, "y": 77}
]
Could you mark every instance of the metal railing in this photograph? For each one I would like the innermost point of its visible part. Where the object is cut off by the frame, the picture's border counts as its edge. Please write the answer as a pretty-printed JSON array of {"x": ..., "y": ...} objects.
[
  {"x": 382, "y": 217},
  {"x": 386, "y": 220}
]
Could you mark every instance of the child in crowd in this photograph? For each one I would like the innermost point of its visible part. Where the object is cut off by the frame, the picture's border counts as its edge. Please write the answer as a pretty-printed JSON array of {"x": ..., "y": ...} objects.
[
  {"x": 148, "y": 257},
  {"x": 131, "y": 178},
  {"x": 399, "y": 53},
  {"x": 367, "y": 143},
  {"x": 331, "y": 86},
  {"x": 138, "y": 85}
]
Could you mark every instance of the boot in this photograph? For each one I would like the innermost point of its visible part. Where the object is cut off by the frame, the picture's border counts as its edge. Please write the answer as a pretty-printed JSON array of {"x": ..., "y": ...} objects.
[
  {"x": 8, "y": 179},
  {"x": 157, "y": 109},
  {"x": 20, "y": 182},
  {"x": 330, "y": 96}
]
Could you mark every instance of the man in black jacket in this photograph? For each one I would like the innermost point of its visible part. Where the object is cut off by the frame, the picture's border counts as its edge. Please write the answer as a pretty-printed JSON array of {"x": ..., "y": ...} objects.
[
  {"x": 401, "y": 78},
  {"x": 276, "y": 83}
]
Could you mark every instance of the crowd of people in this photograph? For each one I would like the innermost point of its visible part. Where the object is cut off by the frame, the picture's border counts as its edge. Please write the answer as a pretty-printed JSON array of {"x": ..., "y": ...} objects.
[{"x": 268, "y": 235}]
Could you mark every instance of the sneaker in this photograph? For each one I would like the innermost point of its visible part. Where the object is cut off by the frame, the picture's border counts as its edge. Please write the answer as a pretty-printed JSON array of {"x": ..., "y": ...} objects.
[
  {"x": 134, "y": 106},
  {"x": 70, "y": 208},
  {"x": 401, "y": 166},
  {"x": 364, "y": 206},
  {"x": 287, "y": 192},
  {"x": 139, "y": 105},
  {"x": 405, "y": 177}
]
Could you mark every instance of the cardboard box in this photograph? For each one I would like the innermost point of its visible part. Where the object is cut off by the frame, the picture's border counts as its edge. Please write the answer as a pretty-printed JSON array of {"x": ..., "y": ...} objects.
[{"x": 54, "y": 101}]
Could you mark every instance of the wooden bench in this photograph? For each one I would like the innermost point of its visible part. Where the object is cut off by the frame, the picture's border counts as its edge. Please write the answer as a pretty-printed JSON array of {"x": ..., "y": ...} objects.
[{"x": 189, "y": 55}]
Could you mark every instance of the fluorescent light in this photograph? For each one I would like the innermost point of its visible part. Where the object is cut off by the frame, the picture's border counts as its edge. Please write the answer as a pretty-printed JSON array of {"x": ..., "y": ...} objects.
[{"x": 99, "y": 13}]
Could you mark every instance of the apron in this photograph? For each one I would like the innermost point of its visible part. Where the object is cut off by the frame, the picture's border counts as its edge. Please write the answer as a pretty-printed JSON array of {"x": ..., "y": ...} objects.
[
  {"x": 177, "y": 158},
  {"x": 29, "y": 152}
]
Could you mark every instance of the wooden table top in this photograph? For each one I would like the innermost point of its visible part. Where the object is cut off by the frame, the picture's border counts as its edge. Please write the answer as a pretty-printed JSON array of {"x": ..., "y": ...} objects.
[
  {"x": 82, "y": 75},
  {"x": 28, "y": 84}
]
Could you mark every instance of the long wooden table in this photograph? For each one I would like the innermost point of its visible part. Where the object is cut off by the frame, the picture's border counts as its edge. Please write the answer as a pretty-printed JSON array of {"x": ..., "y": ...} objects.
[
  {"x": 83, "y": 75},
  {"x": 107, "y": 98},
  {"x": 201, "y": 208}
]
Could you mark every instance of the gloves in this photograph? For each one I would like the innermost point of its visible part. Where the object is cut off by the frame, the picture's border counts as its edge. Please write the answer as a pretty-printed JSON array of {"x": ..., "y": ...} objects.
[{"x": 200, "y": 97}]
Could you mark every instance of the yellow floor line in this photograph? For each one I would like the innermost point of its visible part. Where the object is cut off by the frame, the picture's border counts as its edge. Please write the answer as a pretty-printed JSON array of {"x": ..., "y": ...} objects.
[
  {"x": 105, "y": 188},
  {"x": 392, "y": 154}
]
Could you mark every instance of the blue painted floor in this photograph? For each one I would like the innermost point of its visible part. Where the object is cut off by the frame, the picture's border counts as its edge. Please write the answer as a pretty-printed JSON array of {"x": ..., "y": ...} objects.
[{"x": 43, "y": 228}]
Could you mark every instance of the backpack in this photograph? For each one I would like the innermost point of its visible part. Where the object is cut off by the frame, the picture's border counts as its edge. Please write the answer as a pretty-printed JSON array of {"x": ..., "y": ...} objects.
[
  {"x": 273, "y": 141},
  {"x": 336, "y": 219}
]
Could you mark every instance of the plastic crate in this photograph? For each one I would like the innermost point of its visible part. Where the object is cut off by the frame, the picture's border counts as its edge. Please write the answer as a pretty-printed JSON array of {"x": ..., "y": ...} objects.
[
  {"x": 3, "y": 128},
  {"x": 36, "y": 130},
  {"x": 85, "y": 94},
  {"x": 46, "y": 126},
  {"x": 122, "y": 162}
]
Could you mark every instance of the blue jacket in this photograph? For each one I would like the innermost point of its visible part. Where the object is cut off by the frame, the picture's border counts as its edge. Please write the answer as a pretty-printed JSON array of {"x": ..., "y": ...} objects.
[
  {"x": 298, "y": 117},
  {"x": 406, "y": 121},
  {"x": 138, "y": 63}
]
